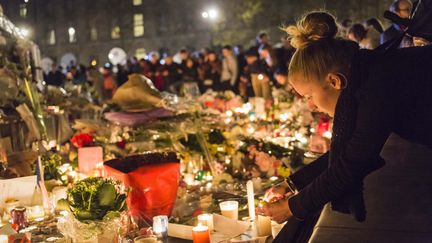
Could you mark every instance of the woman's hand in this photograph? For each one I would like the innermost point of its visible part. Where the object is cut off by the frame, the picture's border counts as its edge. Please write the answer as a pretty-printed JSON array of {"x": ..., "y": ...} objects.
[
  {"x": 278, "y": 211},
  {"x": 277, "y": 192}
]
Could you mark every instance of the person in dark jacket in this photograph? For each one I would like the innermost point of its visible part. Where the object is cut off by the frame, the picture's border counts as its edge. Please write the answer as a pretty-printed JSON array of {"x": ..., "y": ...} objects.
[
  {"x": 171, "y": 73},
  {"x": 55, "y": 77},
  {"x": 403, "y": 9},
  {"x": 370, "y": 94}
]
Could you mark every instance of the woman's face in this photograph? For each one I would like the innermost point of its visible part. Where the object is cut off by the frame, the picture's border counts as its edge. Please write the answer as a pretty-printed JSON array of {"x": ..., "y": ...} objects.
[
  {"x": 189, "y": 63},
  {"x": 321, "y": 95},
  {"x": 212, "y": 57}
]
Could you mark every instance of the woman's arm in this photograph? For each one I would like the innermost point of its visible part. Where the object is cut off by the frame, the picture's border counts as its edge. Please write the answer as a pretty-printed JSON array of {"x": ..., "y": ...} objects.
[
  {"x": 309, "y": 172},
  {"x": 361, "y": 156}
]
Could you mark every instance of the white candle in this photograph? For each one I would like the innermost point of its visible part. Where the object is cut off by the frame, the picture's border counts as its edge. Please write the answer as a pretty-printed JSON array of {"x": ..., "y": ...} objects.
[
  {"x": 4, "y": 239},
  {"x": 36, "y": 212},
  {"x": 206, "y": 220},
  {"x": 189, "y": 179},
  {"x": 251, "y": 199},
  {"x": 160, "y": 224},
  {"x": 263, "y": 225},
  {"x": 229, "y": 209},
  {"x": 146, "y": 239},
  {"x": 59, "y": 192}
]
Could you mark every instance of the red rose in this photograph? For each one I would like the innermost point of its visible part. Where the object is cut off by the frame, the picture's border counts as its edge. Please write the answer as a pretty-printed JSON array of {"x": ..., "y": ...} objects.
[
  {"x": 121, "y": 144},
  {"x": 80, "y": 140}
]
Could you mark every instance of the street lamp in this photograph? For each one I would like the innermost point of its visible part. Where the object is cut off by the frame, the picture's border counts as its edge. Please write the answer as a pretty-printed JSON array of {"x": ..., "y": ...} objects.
[
  {"x": 210, "y": 14},
  {"x": 71, "y": 30}
]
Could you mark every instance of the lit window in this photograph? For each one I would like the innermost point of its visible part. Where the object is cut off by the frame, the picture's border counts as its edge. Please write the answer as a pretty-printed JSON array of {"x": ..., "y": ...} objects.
[
  {"x": 140, "y": 53},
  {"x": 137, "y": 2},
  {"x": 93, "y": 34},
  {"x": 23, "y": 10},
  {"x": 115, "y": 32},
  {"x": 72, "y": 35},
  {"x": 138, "y": 25},
  {"x": 51, "y": 37}
]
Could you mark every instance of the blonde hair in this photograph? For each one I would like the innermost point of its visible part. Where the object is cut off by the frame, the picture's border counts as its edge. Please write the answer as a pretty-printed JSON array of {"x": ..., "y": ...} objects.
[{"x": 318, "y": 52}]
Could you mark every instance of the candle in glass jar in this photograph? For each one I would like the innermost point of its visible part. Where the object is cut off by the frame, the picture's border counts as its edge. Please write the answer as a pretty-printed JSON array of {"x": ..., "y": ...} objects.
[
  {"x": 189, "y": 179},
  {"x": 59, "y": 192},
  {"x": 36, "y": 212},
  {"x": 263, "y": 226},
  {"x": 206, "y": 220},
  {"x": 229, "y": 209},
  {"x": 4, "y": 239},
  {"x": 200, "y": 234},
  {"x": 146, "y": 239},
  {"x": 160, "y": 226}
]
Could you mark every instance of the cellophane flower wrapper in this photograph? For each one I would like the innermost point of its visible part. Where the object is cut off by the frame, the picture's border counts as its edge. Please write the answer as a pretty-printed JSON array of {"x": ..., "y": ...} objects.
[
  {"x": 153, "y": 179},
  {"x": 90, "y": 231}
]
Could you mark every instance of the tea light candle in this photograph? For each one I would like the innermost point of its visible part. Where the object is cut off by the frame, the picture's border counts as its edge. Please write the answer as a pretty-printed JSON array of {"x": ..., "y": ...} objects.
[
  {"x": 4, "y": 239},
  {"x": 36, "y": 212},
  {"x": 189, "y": 179},
  {"x": 229, "y": 209},
  {"x": 206, "y": 220},
  {"x": 200, "y": 234},
  {"x": 58, "y": 193},
  {"x": 146, "y": 239},
  {"x": 251, "y": 199},
  {"x": 160, "y": 226},
  {"x": 263, "y": 226}
]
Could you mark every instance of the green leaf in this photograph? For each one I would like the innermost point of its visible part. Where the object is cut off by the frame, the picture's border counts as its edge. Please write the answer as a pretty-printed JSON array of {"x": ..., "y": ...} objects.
[
  {"x": 84, "y": 215},
  {"x": 107, "y": 195}
]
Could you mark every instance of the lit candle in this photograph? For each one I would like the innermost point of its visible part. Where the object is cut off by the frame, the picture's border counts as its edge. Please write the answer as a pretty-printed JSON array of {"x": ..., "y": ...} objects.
[
  {"x": 189, "y": 179},
  {"x": 160, "y": 226},
  {"x": 251, "y": 199},
  {"x": 200, "y": 234},
  {"x": 229, "y": 209},
  {"x": 146, "y": 239},
  {"x": 36, "y": 212},
  {"x": 4, "y": 239},
  {"x": 59, "y": 192},
  {"x": 263, "y": 225},
  {"x": 206, "y": 220}
]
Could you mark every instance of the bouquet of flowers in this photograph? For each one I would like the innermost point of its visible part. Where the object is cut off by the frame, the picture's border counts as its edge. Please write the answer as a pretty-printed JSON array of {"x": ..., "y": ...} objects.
[{"x": 94, "y": 210}]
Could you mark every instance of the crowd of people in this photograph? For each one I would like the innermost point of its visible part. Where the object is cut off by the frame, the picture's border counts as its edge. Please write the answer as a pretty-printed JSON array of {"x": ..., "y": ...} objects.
[{"x": 248, "y": 72}]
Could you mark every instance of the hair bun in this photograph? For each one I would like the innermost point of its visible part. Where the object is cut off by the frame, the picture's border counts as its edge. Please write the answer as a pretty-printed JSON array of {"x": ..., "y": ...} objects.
[{"x": 313, "y": 27}]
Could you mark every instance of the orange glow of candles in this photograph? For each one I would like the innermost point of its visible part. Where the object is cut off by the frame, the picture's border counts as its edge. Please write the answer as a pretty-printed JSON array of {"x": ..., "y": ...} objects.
[{"x": 200, "y": 234}]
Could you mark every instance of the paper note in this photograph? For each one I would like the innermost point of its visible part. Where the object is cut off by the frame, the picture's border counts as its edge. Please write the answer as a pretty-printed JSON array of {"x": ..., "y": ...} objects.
[{"x": 89, "y": 158}]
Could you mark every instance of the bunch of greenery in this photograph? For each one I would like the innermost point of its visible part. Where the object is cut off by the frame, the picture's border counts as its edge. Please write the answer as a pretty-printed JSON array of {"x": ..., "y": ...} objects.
[
  {"x": 51, "y": 164},
  {"x": 96, "y": 198}
]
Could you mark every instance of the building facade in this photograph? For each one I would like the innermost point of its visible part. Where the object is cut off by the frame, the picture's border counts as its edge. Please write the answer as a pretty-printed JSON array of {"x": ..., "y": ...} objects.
[{"x": 88, "y": 29}]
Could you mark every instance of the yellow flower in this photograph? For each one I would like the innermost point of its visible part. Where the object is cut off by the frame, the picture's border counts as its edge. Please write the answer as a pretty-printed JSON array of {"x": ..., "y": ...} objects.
[{"x": 284, "y": 171}]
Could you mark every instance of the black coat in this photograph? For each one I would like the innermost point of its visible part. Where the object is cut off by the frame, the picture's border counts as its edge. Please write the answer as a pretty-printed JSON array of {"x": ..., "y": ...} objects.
[{"x": 392, "y": 94}]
